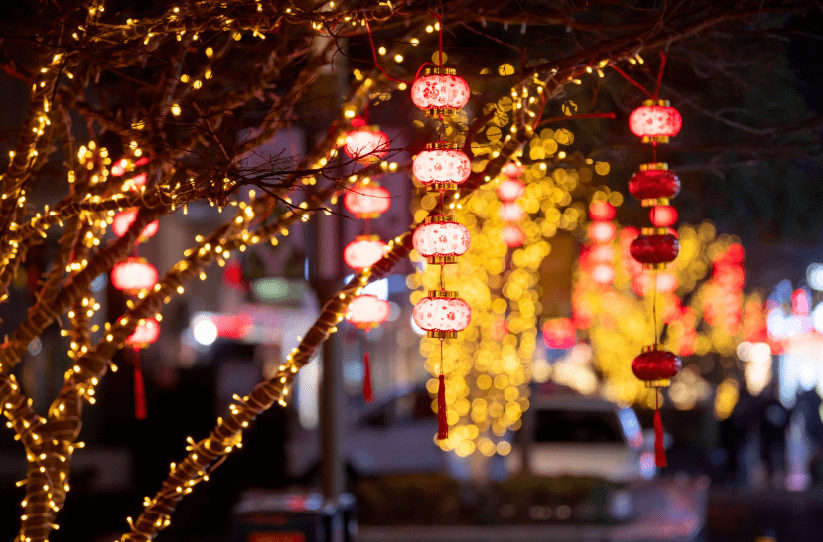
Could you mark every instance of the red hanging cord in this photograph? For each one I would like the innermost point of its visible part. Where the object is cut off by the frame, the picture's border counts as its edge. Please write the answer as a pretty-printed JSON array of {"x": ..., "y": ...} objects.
[
  {"x": 367, "y": 390},
  {"x": 660, "y": 73},
  {"x": 659, "y": 447},
  {"x": 374, "y": 55},
  {"x": 632, "y": 81},
  {"x": 139, "y": 389},
  {"x": 442, "y": 419}
]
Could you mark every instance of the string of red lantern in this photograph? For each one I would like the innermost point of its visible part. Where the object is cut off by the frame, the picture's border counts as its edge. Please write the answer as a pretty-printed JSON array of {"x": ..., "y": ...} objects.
[
  {"x": 655, "y": 247},
  {"x": 441, "y": 167}
]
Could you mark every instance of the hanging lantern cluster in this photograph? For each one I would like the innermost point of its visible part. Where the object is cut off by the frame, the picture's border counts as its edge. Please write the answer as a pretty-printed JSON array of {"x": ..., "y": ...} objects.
[
  {"x": 597, "y": 257},
  {"x": 442, "y": 167},
  {"x": 366, "y": 200},
  {"x": 510, "y": 189},
  {"x": 656, "y": 246}
]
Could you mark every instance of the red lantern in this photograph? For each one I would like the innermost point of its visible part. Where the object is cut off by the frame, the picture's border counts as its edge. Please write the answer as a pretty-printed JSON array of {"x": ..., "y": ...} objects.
[
  {"x": 602, "y": 232},
  {"x": 367, "y": 311},
  {"x": 511, "y": 212},
  {"x": 655, "y": 367},
  {"x": 655, "y": 121},
  {"x": 654, "y": 248},
  {"x": 144, "y": 334},
  {"x": 440, "y": 92},
  {"x": 440, "y": 239},
  {"x": 367, "y": 200},
  {"x": 366, "y": 144},
  {"x": 654, "y": 184},
  {"x": 602, "y": 210},
  {"x": 559, "y": 333},
  {"x": 442, "y": 166},
  {"x": 513, "y": 170},
  {"x": 601, "y": 253},
  {"x": 133, "y": 275},
  {"x": 364, "y": 251},
  {"x": 122, "y": 221},
  {"x": 663, "y": 216},
  {"x": 603, "y": 273},
  {"x": 513, "y": 235},
  {"x": 510, "y": 189},
  {"x": 442, "y": 314}
]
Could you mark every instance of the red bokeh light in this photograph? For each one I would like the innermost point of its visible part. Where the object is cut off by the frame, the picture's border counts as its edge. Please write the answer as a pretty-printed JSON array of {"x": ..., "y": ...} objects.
[
  {"x": 510, "y": 189},
  {"x": 663, "y": 216},
  {"x": 133, "y": 275},
  {"x": 513, "y": 235},
  {"x": 602, "y": 210},
  {"x": 364, "y": 251},
  {"x": 602, "y": 232},
  {"x": 144, "y": 334},
  {"x": 121, "y": 222},
  {"x": 559, "y": 333},
  {"x": 511, "y": 212}
]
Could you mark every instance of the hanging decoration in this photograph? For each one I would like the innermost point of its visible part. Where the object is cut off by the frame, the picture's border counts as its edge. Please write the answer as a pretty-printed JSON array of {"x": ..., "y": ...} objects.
[
  {"x": 366, "y": 144},
  {"x": 509, "y": 190},
  {"x": 122, "y": 221},
  {"x": 367, "y": 199},
  {"x": 441, "y": 167},
  {"x": 364, "y": 251},
  {"x": 655, "y": 247},
  {"x": 598, "y": 256},
  {"x": 133, "y": 275},
  {"x": 367, "y": 312}
]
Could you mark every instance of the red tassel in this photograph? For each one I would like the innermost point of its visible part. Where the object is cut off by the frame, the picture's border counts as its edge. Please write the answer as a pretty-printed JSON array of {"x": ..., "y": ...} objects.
[
  {"x": 659, "y": 448},
  {"x": 139, "y": 390},
  {"x": 367, "y": 393},
  {"x": 442, "y": 421}
]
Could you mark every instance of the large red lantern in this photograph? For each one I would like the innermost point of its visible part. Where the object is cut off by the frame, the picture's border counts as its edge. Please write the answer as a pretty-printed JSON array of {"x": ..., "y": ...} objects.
[
  {"x": 440, "y": 92},
  {"x": 364, "y": 251},
  {"x": 511, "y": 212},
  {"x": 510, "y": 189},
  {"x": 654, "y": 184},
  {"x": 654, "y": 248},
  {"x": 513, "y": 235},
  {"x": 442, "y": 166},
  {"x": 121, "y": 222},
  {"x": 367, "y": 200},
  {"x": 440, "y": 239},
  {"x": 655, "y": 121},
  {"x": 366, "y": 144},
  {"x": 663, "y": 216},
  {"x": 367, "y": 311},
  {"x": 442, "y": 314},
  {"x": 144, "y": 334},
  {"x": 133, "y": 275}
]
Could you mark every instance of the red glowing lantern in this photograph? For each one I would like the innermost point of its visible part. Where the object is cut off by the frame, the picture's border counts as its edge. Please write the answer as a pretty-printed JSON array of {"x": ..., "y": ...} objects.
[
  {"x": 511, "y": 212},
  {"x": 603, "y": 273},
  {"x": 364, "y": 251},
  {"x": 367, "y": 200},
  {"x": 144, "y": 334},
  {"x": 655, "y": 121},
  {"x": 513, "y": 235},
  {"x": 602, "y": 232},
  {"x": 655, "y": 367},
  {"x": 559, "y": 333},
  {"x": 367, "y": 311},
  {"x": 654, "y": 248},
  {"x": 663, "y": 216},
  {"x": 513, "y": 170},
  {"x": 366, "y": 144},
  {"x": 601, "y": 253},
  {"x": 654, "y": 184},
  {"x": 442, "y": 166},
  {"x": 122, "y": 221},
  {"x": 440, "y": 239},
  {"x": 602, "y": 210},
  {"x": 440, "y": 92},
  {"x": 442, "y": 314},
  {"x": 510, "y": 189},
  {"x": 133, "y": 275}
]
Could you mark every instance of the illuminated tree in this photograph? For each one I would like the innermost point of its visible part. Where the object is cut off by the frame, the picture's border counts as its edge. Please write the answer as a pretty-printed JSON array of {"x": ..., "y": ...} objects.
[{"x": 177, "y": 97}]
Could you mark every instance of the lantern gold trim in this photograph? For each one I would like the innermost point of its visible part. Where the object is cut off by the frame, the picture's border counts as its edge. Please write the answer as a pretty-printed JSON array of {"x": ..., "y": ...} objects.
[
  {"x": 442, "y": 145},
  {"x": 655, "y": 139},
  {"x": 436, "y": 334},
  {"x": 442, "y": 187},
  {"x": 439, "y": 70},
  {"x": 657, "y": 266},
  {"x": 439, "y": 219},
  {"x": 450, "y": 259},
  {"x": 659, "y": 103},
  {"x": 440, "y": 112},
  {"x": 654, "y": 166},
  {"x": 443, "y": 294},
  {"x": 654, "y": 231},
  {"x": 653, "y": 202},
  {"x": 661, "y": 383}
]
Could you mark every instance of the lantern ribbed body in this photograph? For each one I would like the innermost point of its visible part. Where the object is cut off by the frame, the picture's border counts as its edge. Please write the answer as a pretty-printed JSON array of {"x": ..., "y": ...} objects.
[
  {"x": 367, "y": 200},
  {"x": 656, "y": 367},
  {"x": 121, "y": 222},
  {"x": 663, "y": 216},
  {"x": 511, "y": 212},
  {"x": 133, "y": 275},
  {"x": 441, "y": 239},
  {"x": 655, "y": 121},
  {"x": 654, "y": 184},
  {"x": 367, "y": 311},
  {"x": 440, "y": 91},
  {"x": 367, "y": 144},
  {"x": 144, "y": 334},
  {"x": 655, "y": 249},
  {"x": 442, "y": 314},
  {"x": 364, "y": 251},
  {"x": 513, "y": 235},
  {"x": 441, "y": 164},
  {"x": 510, "y": 189}
]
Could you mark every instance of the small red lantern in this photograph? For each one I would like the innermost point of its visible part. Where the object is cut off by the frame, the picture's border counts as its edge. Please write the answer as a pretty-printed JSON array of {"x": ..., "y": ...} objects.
[
  {"x": 364, "y": 251},
  {"x": 655, "y": 121},
  {"x": 440, "y": 92},
  {"x": 654, "y": 248},
  {"x": 663, "y": 216},
  {"x": 559, "y": 333},
  {"x": 367, "y": 311},
  {"x": 122, "y": 221},
  {"x": 654, "y": 184},
  {"x": 144, "y": 334},
  {"x": 442, "y": 314},
  {"x": 655, "y": 367},
  {"x": 602, "y": 232},
  {"x": 513, "y": 235},
  {"x": 367, "y": 200},
  {"x": 510, "y": 189},
  {"x": 602, "y": 210},
  {"x": 442, "y": 166},
  {"x": 133, "y": 275},
  {"x": 511, "y": 212},
  {"x": 366, "y": 144},
  {"x": 440, "y": 239}
]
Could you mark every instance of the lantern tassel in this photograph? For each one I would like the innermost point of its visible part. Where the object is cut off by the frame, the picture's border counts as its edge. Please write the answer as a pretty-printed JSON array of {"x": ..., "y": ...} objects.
[
  {"x": 139, "y": 390},
  {"x": 659, "y": 448},
  {"x": 367, "y": 391},
  {"x": 442, "y": 421}
]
